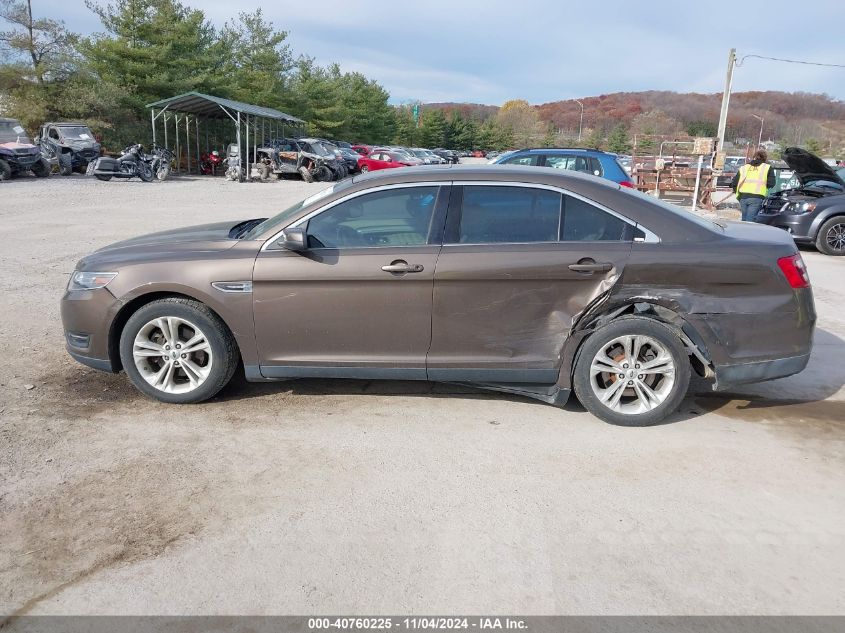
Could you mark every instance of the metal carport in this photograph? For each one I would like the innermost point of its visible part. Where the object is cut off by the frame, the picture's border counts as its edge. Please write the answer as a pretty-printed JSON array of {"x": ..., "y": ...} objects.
[{"x": 213, "y": 111}]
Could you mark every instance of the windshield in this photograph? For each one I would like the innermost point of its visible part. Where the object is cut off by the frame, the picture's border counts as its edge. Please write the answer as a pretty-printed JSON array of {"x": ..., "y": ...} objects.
[
  {"x": 676, "y": 210},
  {"x": 79, "y": 132},
  {"x": 11, "y": 131},
  {"x": 285, "y": 217},
  {"x": 321, "y": 149}
]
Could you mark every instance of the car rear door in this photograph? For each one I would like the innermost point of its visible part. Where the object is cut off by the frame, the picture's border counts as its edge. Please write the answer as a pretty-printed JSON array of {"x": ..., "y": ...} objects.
[
  {"x": 357, "y": 302},
  {"x": 519, "y": 263}
]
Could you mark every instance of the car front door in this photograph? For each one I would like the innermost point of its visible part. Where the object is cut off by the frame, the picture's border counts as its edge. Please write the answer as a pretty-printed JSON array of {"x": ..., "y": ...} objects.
[
  {"x": 357, "y": 302},
  {"x": 519, "y": 263}
]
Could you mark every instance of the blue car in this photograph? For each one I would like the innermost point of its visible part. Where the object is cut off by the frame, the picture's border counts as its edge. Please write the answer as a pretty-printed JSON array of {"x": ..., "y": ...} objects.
[{"x": 588, "y": 161}]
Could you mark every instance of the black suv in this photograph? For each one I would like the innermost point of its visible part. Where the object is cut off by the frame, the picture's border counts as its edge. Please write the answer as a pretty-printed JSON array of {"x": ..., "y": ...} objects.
[{"x": 813, "y": 213}]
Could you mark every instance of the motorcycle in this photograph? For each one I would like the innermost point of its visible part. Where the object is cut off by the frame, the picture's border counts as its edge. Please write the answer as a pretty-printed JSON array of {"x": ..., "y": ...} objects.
[
  {"x": 131, "y": 164},
  {"x": 234, "y": 171},
  {"x": 160, "y": 161},
  {"x": 210, "y": 162}
]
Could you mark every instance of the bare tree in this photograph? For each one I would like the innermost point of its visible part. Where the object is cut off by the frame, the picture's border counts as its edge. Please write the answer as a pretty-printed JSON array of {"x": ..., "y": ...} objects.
[{"x": 45, "y": 46}]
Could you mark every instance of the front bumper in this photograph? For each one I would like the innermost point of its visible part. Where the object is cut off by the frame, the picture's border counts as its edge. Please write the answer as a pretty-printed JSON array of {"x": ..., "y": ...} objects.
[
  {"x": 796, "y": 224},
  {"x": 87, "y": 316}
]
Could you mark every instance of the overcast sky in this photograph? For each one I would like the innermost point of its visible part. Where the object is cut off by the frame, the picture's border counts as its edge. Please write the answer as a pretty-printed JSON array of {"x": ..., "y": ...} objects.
[{"x": 544, "y": 50}]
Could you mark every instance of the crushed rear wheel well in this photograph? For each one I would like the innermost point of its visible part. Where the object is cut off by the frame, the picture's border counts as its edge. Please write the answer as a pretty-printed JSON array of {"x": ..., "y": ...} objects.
[{"x": 699, "y": 356}]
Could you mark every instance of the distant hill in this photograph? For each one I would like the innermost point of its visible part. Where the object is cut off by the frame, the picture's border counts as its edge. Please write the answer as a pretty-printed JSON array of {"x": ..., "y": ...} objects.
[{"x": 793, "y": 118}]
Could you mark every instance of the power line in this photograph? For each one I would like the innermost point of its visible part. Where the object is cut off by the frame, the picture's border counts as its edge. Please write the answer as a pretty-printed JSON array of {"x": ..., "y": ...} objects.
[{"x": 789, "y": 61}]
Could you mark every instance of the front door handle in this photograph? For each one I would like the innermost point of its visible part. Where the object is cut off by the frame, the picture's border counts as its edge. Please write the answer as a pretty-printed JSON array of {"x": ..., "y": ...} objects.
[
  {"x": 400, "y": 267},
  {"x": 590, "y": 266}
]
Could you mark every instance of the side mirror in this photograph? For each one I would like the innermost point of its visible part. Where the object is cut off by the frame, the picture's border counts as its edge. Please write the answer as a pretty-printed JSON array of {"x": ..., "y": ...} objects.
[{"x": 294, "y": 239}]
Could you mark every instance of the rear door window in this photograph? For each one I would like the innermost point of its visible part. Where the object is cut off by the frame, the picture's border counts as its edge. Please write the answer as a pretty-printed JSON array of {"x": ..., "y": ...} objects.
[
  {"x": 502, "y": 214},
  {"x": 584, "y": 222},
  {"x": 570, "y": 162}
]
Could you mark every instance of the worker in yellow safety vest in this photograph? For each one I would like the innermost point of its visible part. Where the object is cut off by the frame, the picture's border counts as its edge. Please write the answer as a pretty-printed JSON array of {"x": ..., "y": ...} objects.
[{"x": 752, "y": 183}]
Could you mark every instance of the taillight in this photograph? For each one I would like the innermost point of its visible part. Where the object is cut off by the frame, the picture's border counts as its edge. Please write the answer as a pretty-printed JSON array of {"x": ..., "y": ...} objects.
[
  {"x": 795, "y": 271},
  {"x": 627, "y": 183}
]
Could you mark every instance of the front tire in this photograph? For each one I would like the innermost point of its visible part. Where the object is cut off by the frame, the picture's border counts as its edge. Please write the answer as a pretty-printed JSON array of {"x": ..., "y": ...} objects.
[
  {"x": 632, "y": 372},
  {"x": 145, "y": 172},
  {"x": 178, "y": 351},
  {"x": 42, "y": 168},
  {"x": 5, "y": 170},
  {"x": 831, "y": 237}
]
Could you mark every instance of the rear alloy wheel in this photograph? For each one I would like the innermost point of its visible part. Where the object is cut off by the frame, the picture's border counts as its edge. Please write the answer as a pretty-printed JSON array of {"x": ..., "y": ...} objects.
[
  {"x": 178, "y": 351},
  {"x": 632, "y": 372},
  {"x": 831, "y": 238}
]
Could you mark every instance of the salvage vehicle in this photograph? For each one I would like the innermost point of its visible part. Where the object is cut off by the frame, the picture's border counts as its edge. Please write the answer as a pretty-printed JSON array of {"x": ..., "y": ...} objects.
[
  {"x": 17, "y": 153},
  {"x": 130, "y": 164},
  {"x": 295, "y": 156},
  {"x": 449, "y": 155},
  {"x": 426, "y": 274},
  {"x": 814, "y": 212},
  {"x": 69, "y": 146}
]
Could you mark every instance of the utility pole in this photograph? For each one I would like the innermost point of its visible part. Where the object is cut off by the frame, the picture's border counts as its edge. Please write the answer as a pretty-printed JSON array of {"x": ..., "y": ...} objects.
[
  {"x": 726, "y": 98},
  {"x": 581, "y": 121},
  {"x": 760, "y": 138}
]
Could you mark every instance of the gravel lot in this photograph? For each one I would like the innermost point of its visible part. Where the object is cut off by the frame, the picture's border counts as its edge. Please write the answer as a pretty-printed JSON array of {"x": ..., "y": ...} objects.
[{"x": 323, "y": 496}]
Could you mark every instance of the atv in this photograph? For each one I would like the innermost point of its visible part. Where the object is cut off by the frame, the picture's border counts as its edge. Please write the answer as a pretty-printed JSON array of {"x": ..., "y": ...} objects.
[
  {"x": 306, "y": 157},
  {"x": 70, "y": 146},
  {"x": 17, "y": 154}
]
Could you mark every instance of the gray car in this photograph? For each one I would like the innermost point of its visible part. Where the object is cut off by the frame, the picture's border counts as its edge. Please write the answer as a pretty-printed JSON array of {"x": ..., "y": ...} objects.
[{"x": 525, "y": 280}]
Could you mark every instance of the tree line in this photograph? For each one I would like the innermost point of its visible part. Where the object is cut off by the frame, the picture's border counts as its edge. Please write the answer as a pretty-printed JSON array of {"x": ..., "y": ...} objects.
[{"x": 154, "y": 49}]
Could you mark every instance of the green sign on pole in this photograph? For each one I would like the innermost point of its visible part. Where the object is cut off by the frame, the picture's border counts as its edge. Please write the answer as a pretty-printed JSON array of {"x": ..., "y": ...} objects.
[{"x": 415, "y": 110}]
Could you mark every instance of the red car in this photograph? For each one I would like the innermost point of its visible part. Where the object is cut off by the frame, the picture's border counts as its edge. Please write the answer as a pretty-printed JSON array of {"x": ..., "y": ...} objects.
[
  {"x": 364, "y": 150},
  {"x": 381, "y": 159}
]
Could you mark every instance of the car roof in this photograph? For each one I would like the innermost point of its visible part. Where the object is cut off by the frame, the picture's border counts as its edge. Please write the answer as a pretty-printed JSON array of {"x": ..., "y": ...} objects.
[{"x": 569, "y": 150}]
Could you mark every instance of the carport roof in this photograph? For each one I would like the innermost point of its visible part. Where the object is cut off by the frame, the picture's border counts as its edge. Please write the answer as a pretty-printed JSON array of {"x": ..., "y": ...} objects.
[{"x": 212, "y": 107}]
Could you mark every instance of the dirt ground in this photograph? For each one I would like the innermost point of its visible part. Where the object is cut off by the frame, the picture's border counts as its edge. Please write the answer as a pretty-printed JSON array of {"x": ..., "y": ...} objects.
[{"x": 324, "y": 496}]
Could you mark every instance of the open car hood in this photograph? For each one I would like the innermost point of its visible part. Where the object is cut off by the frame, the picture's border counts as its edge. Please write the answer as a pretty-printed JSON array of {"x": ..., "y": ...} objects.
[{"x": 808, "y": 167}]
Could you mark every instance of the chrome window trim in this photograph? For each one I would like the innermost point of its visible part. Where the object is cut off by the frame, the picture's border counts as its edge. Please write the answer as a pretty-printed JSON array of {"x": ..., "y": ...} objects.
[
  {"x": 650, "y": 236},
  {"x": 272, "y": 240}
]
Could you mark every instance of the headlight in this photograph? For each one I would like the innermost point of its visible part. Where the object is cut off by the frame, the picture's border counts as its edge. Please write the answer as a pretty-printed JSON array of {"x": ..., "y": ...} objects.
[
  {"x": 80, "y": 280},
  {"x": 801, "y": 207}
]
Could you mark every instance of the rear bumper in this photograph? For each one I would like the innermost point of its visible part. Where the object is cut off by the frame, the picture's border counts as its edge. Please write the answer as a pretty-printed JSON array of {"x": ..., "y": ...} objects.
[{"x": 759, "y": 371}]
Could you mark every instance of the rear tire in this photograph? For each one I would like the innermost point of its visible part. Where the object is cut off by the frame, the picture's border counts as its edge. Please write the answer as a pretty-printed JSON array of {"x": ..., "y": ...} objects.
[
  {"x": 831, "y": 237},
  {"x": 101, "y": 177},
  {"x": 211, "y": 368},
  {"x": 163, "y": 172},
  {"x": 41, "y": 168},
  {"x": 306, "y": 174},
  {"x": 648, "y": 372},
  {"x": 5, "y": 171}
]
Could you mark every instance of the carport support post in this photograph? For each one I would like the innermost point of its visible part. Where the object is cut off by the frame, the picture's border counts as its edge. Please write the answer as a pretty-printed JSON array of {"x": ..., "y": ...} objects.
[
  {"x": 188, "y": 141},
  {"x": 238, "y": 140},
  {"x": 197, "y": 121},
  {"x": 697, "y": 182},
  {"x": 153, "y": 123},
  {"x": 165, "y": 130}
]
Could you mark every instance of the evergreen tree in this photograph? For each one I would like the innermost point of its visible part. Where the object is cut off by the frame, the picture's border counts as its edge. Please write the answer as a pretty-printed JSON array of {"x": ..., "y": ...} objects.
[{"x": 618, "y": 141}]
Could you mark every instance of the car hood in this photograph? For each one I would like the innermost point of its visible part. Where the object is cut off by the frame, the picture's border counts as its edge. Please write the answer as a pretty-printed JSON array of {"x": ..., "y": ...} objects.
[
  {"x": 809, "y": 167},
  {"x": 13, "y": 145},
  {"x": 176, "y": 244}
]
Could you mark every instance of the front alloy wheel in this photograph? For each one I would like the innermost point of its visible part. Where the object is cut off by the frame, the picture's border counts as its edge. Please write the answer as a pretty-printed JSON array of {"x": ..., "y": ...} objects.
[
  {"x": 178, "y": 350},
  {"x": 831, "y": 239},
  {"x": 632, "y": 372},
  {"x": 172, "y": 354}
]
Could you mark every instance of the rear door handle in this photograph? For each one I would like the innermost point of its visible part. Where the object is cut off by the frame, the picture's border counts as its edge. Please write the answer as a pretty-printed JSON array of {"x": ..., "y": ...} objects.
[
  {"x": 400, "y": 267},
  {"x": 591, "y": 267}
]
